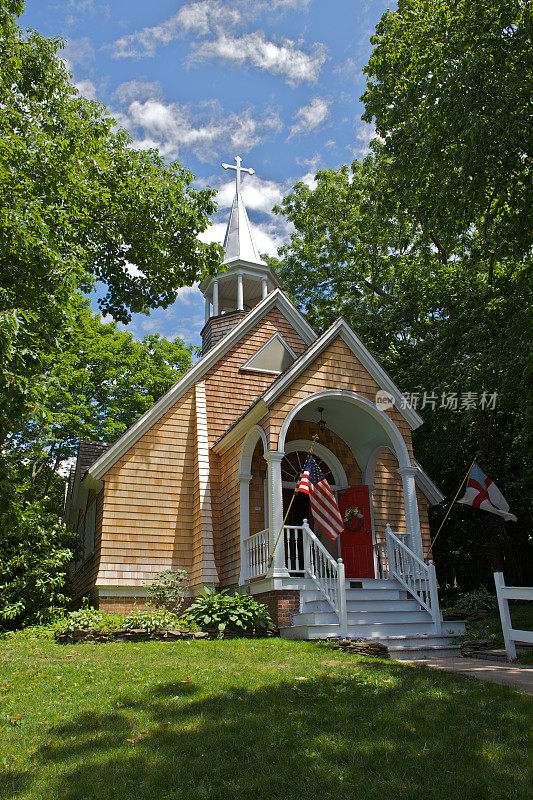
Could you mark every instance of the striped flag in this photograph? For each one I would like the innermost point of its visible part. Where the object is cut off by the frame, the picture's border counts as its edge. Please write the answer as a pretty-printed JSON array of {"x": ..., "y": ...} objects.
[
  {"x": 482, "y": 492},
  {"x": 323, "y": 504}
]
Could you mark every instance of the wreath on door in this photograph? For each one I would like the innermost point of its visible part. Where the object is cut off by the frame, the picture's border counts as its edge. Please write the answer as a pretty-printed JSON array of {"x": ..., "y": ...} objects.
[{"x": 353, "y": 518}]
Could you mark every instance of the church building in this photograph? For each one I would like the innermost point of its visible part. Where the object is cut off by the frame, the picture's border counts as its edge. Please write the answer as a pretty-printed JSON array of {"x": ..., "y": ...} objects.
[{"x": 203, "y": 480}]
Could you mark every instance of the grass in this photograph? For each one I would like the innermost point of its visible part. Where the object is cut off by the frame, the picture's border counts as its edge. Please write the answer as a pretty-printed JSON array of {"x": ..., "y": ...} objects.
[{"x": 250, "y": 720}]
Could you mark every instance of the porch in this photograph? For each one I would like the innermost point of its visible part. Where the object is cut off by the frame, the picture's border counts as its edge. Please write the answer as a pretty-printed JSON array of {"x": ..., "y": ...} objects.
[
  {"x": 366, "y": 461},
  {"x": 399, "y": 605}
]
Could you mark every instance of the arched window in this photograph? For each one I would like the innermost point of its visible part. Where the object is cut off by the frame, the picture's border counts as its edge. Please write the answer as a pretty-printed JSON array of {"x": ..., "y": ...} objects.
[{"x": 293, "y": 465}]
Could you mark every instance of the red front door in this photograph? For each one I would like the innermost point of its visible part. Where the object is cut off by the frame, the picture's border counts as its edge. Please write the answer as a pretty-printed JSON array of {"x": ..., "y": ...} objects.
[{"x": 356, "y": 545}]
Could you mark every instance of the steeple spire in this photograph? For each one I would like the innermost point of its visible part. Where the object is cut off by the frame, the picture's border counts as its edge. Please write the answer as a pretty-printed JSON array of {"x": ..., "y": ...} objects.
[
  {"x": 239, "y": 242},
  {"x": 247, "y": 279}
]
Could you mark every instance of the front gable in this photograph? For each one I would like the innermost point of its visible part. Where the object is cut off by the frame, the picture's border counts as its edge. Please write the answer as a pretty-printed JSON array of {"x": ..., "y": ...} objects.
[{"x": 333, "y": 367}]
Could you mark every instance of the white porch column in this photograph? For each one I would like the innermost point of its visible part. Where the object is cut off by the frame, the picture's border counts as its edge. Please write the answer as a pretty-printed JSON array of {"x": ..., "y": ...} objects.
[
  {"x": 264, "y": 288},
  {"x": 275, "y": 513},
  {"x": 215, "y": 298},
  {"x": 240, "y": 293},
  {"x": 244, "y": 505},
  {"x": 207, "y": 309},
  {"x": 412, "y": 520}
]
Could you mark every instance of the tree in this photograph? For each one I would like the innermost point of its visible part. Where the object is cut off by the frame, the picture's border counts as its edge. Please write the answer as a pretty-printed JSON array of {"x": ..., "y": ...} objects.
[
  {"x": 358, "y": 251},
  {"x": 80, "y": 209},
  {"x": 79, "y": 204},
  {"x": 450, "y": 90},
  {"x": 96, "y": 388}
]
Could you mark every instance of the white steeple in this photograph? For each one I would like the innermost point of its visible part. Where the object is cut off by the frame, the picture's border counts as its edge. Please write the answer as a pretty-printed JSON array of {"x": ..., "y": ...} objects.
[
  {"x": 239, "y": 242},
  {"x": 247, "y": 279}
]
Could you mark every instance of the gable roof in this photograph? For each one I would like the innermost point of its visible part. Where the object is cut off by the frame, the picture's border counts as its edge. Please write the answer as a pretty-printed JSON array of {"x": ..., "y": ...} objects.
[
  {"x": 276, "y": 299},
  {"x": 339, "y": 328}
]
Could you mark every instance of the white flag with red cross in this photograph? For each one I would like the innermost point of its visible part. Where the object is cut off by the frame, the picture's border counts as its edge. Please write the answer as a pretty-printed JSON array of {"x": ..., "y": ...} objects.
[{"x": 482, "y": 492}]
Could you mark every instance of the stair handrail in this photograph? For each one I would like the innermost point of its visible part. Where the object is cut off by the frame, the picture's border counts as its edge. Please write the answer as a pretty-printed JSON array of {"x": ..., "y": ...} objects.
[
  {"x": 332, "y": 586},
  {"x": 419, "y": 578}
]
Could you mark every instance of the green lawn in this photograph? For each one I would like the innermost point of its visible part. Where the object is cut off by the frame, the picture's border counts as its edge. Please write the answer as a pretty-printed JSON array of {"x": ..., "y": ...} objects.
[{"x": 251, "y": 720}]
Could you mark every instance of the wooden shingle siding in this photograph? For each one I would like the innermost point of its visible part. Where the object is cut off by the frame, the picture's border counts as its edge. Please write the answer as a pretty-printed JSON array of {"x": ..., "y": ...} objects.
[
  {"x": 148, "y": 516},
  {"x": 231, "y": 392},
  {"x": 229, "y": 534},
  {"x": 335, "y": 368}
]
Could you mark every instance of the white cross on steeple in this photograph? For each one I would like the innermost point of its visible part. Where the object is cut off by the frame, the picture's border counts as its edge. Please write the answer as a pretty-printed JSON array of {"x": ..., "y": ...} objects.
[{"x": 238, "y": 169}]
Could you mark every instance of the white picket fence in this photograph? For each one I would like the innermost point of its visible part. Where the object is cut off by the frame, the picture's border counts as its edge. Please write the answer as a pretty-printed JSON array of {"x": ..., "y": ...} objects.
[{"x": 504, "y": 594}]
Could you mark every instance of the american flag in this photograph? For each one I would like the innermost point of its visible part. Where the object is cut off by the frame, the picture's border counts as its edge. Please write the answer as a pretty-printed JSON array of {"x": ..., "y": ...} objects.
[{"x": 323, "y": 504}]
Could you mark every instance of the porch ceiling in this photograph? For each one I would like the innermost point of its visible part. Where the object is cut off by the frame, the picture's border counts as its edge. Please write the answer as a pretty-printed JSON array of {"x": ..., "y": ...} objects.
[{"x": 361, "y": 432}]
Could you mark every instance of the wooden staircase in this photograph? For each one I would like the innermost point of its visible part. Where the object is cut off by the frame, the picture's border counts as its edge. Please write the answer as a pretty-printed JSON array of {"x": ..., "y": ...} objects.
[{"x": 380, "y": 610}]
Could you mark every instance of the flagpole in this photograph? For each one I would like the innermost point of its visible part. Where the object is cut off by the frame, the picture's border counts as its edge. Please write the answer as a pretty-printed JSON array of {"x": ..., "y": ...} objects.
[
  {"x": 454, "y": 499},
  {"x": 271, "y": 559}
]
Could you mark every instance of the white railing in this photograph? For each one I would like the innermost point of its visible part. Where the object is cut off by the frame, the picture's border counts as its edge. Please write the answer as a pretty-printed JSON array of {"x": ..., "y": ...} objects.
[
  {"x": 504, "y": 594},
  {"x": 256, "y": 554},
  {"x": 326, "y": 573},
  {"x": 418, "y": 578}
]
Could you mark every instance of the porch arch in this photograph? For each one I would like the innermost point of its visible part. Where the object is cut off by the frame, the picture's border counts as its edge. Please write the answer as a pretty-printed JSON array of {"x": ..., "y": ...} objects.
[
  {"x": 248, "y": 446},
  {"x": 397, "y": 444}
]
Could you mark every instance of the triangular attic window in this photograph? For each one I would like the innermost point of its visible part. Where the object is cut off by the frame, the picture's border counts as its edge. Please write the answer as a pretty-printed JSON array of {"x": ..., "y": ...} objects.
[{"x": 273, "y": 358}]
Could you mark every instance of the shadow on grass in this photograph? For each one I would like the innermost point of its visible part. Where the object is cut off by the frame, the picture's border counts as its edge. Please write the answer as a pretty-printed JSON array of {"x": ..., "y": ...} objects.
[{"x": 379, "y": 731}]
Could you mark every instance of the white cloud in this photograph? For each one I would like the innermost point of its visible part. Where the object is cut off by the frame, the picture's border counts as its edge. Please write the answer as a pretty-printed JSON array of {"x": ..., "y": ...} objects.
[
  {"x": 310, "y": 117},
  {"x": 77, "y": 51},
  {"x": 199, "y": 18},
  {"x": 188, "y": 294},
  {"x": 137, "y": 90},
  {"x": 285, "y": 58},
  {"x": 258, "y": 194},
  {"x": 87, "y": 89},
  {"x": 364, "y": 133},
  {"x": 172, "y": 127}
]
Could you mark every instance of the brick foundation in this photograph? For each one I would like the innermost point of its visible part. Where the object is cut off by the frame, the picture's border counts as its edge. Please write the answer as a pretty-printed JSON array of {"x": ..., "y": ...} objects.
[
  {"x": 121, "y": 605},
  {"x": 281, "y": 605}
]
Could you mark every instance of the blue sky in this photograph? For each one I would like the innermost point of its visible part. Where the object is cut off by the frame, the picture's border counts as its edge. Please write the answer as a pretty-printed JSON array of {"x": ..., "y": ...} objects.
[{"x": 275, "y": 81}]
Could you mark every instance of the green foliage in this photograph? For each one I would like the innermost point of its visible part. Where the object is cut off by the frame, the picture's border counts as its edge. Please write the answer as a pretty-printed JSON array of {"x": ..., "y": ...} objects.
[
  {"x": 79, "y": 205},
  {"x": 35, "y": 551},
  {"x": 166, "y": 591},
  {"x": 425, "y": 248},
  {"x": 149, "y": 621},
  {"x": 86, "y": 619},
  {"x": 222, "y": 611},
  {"x": 448, "y": 91},
  {"x": 476, "y": 600}
]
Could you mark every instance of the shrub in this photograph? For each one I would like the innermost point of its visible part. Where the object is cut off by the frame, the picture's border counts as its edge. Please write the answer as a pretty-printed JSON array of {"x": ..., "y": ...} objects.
[
  {"x": 167, "y": 590},
  {"x": 223, "y": 611},
  {"x": 476, "y": 600},
  {"x": 35, "y": 551},
  {"x": 86, "y": 619},
  {"x": 149, "y": 621}
]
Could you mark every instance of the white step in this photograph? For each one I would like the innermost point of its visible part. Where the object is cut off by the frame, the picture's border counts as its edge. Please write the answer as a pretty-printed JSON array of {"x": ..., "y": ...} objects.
[
  {"x": 365, "y": 605},
  {"x": 365, "y": 618},
  {"x": 377, "y": 630},
  {"x": 360, "y": 594}
]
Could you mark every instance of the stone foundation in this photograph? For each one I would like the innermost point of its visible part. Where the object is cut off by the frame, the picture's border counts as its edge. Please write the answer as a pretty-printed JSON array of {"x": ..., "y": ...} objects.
[{"x": 281, "y": 604}]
